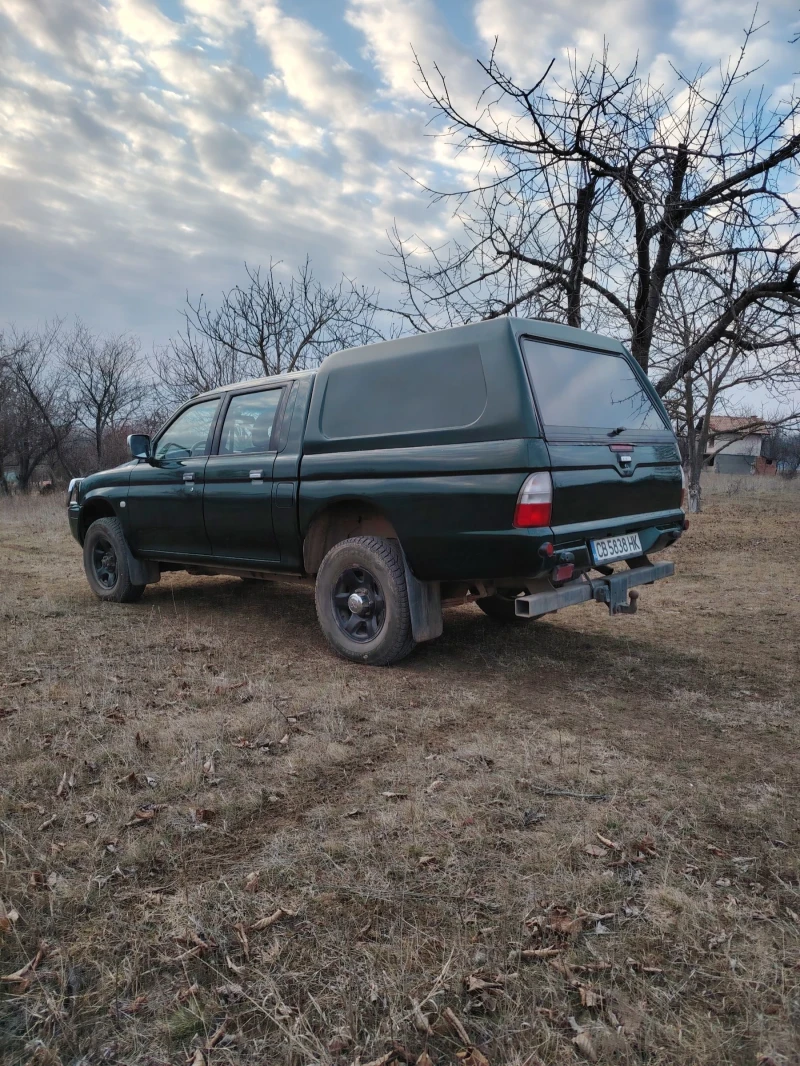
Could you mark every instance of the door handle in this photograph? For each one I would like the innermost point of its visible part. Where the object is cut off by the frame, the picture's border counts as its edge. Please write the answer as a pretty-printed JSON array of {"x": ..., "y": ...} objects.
[
  {"x": 256, "y": 475},
  {"x": 188, "y": 477}
]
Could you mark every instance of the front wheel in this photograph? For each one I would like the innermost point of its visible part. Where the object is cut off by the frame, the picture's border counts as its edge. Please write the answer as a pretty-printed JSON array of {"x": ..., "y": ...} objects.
[
  {"x": 362, "y": 601},
  {"x": 105, "y": 560},
  {"x": 500, "y": 607}
]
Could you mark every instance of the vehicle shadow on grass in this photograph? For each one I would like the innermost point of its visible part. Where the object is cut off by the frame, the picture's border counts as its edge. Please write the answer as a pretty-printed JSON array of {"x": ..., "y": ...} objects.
[
  {"x": 559, "y": 672},
  {"x": 471, "y": 646}
]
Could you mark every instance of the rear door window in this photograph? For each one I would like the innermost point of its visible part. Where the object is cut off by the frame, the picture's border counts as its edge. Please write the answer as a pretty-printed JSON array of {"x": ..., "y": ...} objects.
[
  {"x": 248, "y": 423},
  {"x": 580, "y": 389}
]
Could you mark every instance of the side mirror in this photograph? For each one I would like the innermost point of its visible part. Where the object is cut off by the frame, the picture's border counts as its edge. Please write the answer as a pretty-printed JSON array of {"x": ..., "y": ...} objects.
[{"x": 139, "y": 445}]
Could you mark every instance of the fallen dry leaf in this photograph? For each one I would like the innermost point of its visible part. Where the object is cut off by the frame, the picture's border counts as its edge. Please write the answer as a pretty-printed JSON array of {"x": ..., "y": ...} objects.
[
  {"x": 474, "y": 982},
  {"x": 595, "y": 851},
  {"x": 340, "y": 1041},
  {"x": 540, "y": 953},
  {"x": 590, "y": 997},
  {"x": 395, "y": 795},
  {"x": 90, "y": 819},
  {"x": 145, "y": 814},
  {"x": 131, "y": 779},
  {"x": 560, "y": 920},
  {"x": 238, "y": 970},
  {"x": 209, "y": 766},
  {"x": 66, "y": 784},
  {"x": 37, "y": 881},
  {"x": 228, "y": 687},
  {"x": 647, "y": 846},
  {"x": 470, "y": 1056},
  {"x": 276, "y": 916},
  {"x": 251, "y": 881},
  {"x": 583, "y": 1042},
  {"x": 456, "y": 1025},
  {"x": 8, "y": 918},
  {"x": 47, "y": 822},
  {"x": 123, "y": 1007},
  {"x": 424, "y": 1060},
  {"x": 427, "y": 860},
  {"x": 29, "y": 967},
  {"x": 421, "y": 1023},
  {"x": 608, "y": 843},
  {"x": 202, "y": 815}
]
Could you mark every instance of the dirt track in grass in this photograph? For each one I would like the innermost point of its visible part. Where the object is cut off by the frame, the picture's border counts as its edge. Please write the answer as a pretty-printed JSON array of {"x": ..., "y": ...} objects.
[{"x": 177, "y": 770}]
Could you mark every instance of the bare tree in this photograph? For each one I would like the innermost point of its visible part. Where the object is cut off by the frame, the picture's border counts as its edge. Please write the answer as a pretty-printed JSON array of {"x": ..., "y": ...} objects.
[
  {"x": 38, "y": 411},
  {"x": 784, "y": 448},
  {"x": 266, "y": 326},
  {"x": 105, "y": 377},
  {"x": 756, "y": 362},
  {"x": 594, "y": 198}
]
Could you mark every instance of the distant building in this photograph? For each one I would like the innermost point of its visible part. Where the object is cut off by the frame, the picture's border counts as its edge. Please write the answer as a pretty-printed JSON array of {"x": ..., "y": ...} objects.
[{"x": 739, "y": 445}]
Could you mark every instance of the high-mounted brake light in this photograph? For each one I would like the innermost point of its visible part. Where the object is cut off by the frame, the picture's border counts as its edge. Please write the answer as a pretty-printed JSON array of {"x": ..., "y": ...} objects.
[{"x": 535, "y": 502}]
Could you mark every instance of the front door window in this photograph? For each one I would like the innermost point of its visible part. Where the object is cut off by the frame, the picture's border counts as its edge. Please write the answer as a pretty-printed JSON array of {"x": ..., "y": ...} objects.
[{"x": 188, "y": 435}]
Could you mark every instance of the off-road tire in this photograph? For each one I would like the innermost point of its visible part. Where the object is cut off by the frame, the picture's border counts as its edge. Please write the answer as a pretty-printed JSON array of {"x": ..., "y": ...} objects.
[
  {"x": 383, "y": 562},
  {"x": 500, "y": 608},
  {"x": 108, "y": 531}
]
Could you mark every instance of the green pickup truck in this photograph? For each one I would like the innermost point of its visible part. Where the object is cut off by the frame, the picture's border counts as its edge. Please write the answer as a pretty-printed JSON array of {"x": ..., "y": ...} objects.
[{"x": 507, "y": 463}]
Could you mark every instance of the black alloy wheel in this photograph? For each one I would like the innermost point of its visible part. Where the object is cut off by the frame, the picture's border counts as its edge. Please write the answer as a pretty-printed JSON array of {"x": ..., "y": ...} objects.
[
  {"x": 104, "y": 561},
  {"x": 359, "y": 604},
  {"x": 362, "y": 601}
]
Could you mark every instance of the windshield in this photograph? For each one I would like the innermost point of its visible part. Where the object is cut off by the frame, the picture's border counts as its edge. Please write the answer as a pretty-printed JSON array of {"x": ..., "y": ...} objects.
[{"x": 577, "y": 388}]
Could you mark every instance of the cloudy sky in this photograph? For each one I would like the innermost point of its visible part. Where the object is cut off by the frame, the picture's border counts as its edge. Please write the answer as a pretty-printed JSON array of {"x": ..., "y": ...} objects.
[{"x": 151, "y": 146}]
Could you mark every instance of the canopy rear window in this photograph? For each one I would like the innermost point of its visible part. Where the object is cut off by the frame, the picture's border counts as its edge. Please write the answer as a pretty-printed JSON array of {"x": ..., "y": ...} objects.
[{"x": 588, "y": 391}]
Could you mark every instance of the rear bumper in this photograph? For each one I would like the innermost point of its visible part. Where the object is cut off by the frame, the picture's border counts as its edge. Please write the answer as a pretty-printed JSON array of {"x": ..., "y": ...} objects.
[
  {"x": 613, "y": 591},
  {"x": 657, "y": 530}
]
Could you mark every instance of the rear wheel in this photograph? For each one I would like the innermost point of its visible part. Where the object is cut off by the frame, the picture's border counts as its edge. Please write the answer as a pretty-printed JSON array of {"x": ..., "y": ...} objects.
[
  {"x": 105, "y": 560},
  {"x": 501, "y": 608},
  {"x": 362, "y": 601}
]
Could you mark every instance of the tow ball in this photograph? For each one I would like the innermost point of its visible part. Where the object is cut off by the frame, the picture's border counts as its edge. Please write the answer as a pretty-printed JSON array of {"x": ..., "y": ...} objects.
[{"x": 603, "y": 594}]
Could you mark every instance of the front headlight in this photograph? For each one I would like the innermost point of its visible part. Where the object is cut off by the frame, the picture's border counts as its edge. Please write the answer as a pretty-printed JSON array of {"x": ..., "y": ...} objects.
[{"x": 73, "y": 488}]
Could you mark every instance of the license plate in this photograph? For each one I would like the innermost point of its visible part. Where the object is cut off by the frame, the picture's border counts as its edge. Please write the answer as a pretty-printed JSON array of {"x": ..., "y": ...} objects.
[{"x": 610, "y": 548}]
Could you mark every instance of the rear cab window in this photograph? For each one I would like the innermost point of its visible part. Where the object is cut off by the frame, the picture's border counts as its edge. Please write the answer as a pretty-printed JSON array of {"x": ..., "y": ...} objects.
[{"x": 585, "y": 392}]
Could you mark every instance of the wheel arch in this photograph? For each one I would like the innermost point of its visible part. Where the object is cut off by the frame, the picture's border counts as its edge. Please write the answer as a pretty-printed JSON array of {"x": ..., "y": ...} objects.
[
  {"x": 339, "y": 521},
  {"x": 95, "y": 507}
]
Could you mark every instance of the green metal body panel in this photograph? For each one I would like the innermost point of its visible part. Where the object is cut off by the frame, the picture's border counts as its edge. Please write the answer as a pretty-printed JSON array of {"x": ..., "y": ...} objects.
[
  {"x": 359, "y": 431},
  {"x": 164, "y": 514}
]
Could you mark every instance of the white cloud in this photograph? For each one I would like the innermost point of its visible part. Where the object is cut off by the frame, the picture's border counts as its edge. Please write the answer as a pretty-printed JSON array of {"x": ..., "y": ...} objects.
[
  {"x": 311, "y": 72},
  {"x": 149, "y": 148},
  {"x": 144, "y": 23}
]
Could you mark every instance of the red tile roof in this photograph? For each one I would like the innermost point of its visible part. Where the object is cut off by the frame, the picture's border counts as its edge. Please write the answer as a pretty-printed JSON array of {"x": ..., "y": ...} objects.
[{"x": 735, "y": 424}]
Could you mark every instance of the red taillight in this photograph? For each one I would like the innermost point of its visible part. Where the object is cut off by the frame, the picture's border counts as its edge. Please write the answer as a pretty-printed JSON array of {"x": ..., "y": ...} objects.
[{"x": 535, "y": 502}]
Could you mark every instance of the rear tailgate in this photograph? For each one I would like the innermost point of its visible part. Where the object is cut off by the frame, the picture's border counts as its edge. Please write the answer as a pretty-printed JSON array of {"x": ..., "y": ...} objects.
[
  {"x": 598, "y": 492},
  {"x": 593, "y": 483}
]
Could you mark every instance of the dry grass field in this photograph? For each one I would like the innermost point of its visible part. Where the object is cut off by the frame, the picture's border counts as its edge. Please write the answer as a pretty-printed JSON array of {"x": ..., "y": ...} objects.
[{"x": 576, "y": 842}]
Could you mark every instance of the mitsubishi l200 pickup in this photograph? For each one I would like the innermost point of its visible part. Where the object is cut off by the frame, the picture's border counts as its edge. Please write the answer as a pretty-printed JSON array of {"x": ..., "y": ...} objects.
[{"x": 509, "y": 463}]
